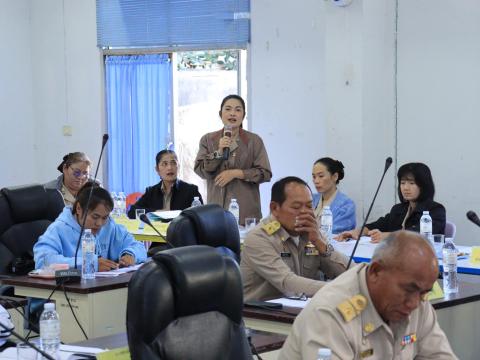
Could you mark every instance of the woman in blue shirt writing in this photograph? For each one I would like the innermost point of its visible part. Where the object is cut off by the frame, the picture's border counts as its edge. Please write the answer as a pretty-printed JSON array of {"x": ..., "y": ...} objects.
[
  {"x": 114, "y": 245},
  {"x": 326, "y": 175}
]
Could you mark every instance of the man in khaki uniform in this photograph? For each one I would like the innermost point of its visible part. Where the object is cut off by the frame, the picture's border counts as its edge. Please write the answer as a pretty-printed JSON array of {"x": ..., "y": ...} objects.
[
  {"x": 283, "y": 254},
  {"x": 377, "y": 310}
]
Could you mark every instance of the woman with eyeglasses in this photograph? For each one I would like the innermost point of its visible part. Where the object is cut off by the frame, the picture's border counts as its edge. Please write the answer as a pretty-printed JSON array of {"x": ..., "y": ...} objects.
[
  {"x": 75, "y": 169},
  {"x": 170, "y": 193},
  {"x": 114, "y": 245}
]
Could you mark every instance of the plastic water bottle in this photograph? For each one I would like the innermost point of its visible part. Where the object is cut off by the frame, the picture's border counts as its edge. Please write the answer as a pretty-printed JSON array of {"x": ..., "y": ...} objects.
[
  {"x": 234, "y": 208},
  {"x": 324, "y": 354},
  {"x": 196, "y": 202},
  {"x": 426, "y": 226},
  {"x": 113, "y": 194},
  {"x": 326, "y": 224},
  {"x": 122, "y": 202},
  {"x": 449, "y": 258},
  {"x": 50, "y": 330},
  {"x": 89, "y": 258}
]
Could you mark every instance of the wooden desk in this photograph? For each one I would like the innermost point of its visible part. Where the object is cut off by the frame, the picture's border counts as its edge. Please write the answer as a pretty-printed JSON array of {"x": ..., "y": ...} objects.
[
  {"x": 263, "y": 341},
  {"x": 458, "y": 316},
  {"x": 99, "y": 304}
]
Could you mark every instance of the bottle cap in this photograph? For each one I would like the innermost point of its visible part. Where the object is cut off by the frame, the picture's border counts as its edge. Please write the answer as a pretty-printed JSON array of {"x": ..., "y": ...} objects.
[
  {"x": 87, "y": 231},
  {"x": 324, "y": 352},
  {"x": 49, "y": 306},
  {"x": 426, "y": 213},
  {"x": 234, "y": 199},
  {"x": 196, "y": 198}
]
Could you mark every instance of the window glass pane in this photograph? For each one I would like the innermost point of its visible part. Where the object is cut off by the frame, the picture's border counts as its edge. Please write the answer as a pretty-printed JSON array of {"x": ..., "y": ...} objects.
[{"x": 202, "y": 80}]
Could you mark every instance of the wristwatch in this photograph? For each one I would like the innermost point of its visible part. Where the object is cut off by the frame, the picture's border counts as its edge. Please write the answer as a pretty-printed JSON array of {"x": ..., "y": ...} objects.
[{"x": 328, "y": 252}]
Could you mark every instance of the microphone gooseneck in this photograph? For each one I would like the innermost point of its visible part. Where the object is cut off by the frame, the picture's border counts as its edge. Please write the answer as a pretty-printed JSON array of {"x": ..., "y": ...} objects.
[
  {"x": 147, "y": 221},
  {"x": 388, "y": 162},
  {"x": 84, "y": 217},
  {"x": 472, "y": 216}
]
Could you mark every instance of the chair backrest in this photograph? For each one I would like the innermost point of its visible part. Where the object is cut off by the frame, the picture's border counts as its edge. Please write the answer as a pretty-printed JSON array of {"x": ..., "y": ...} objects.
[
  {"x": 25, "y": 213},
  {"x": 206, "y": 225},
  {"x": 132, "y": 199},
  {"x": 450, "y": 229},
  {"x": 186, "y": 303}
]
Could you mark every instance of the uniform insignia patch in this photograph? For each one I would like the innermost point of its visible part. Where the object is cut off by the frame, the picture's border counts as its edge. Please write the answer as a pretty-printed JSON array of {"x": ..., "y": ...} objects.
[
  {"x": 409, "y": 339},
  {"x": 272, "y": 227},
  {"x": 352, "y": 307}
]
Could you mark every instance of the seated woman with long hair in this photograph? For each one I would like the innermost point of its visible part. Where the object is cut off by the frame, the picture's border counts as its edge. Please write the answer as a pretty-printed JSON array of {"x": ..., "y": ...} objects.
[
  {"x": 114, "y": 245},
  {"x": 415, "y": 191}
]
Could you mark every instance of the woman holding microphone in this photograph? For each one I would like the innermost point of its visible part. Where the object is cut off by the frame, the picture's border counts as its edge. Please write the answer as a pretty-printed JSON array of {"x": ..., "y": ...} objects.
[{"x": 233, "y": 161}]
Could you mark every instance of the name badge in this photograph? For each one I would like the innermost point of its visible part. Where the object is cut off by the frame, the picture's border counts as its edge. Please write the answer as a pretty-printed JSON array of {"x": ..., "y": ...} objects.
[{"x": 285, "y": 255}]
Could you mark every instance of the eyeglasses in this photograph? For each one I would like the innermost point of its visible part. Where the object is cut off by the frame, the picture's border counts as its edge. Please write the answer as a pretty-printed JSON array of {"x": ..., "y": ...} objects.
[
  {"x": 79, "y": 173},
  {"x": 173, "y": 163}
]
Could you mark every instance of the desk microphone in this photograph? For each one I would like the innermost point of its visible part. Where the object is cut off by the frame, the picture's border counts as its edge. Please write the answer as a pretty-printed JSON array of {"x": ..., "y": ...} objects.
[
  {"x": 74, "y": 275},
  {"x": 388, "y": 162},
  {"x": 147, "y": 221},
  {"x": 44, "y": 354},
  {"x": 472, "y": 216},
  {"x": 227, "y": 131}
]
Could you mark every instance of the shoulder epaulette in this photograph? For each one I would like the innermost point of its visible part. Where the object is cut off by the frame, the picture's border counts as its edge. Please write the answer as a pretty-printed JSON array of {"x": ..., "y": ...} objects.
[
  {"x": 351, "y": 308},
  {"x": 271, "y": 227}
]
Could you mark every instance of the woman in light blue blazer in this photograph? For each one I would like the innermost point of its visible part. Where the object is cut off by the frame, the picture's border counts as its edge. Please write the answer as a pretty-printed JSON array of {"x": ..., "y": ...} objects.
[{"x": 326, "y": 175}]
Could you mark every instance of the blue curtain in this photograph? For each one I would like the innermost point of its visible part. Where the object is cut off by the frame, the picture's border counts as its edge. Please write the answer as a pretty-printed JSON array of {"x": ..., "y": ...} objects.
[{"x": 139, "y": 104}]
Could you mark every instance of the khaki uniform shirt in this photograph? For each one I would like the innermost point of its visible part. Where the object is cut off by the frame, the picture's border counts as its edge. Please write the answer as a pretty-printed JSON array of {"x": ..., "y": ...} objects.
[
  {"x": 363, "y": 335},
  {"x": 272, "y": 265},
  {"x": 247, "y": 154}
]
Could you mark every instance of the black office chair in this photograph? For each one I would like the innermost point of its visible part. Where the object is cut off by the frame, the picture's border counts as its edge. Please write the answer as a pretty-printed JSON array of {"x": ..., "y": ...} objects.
[
  {"x": 206, "y": 225},
  {"x": 25, "y": 213},
  {"x": 187, "y": 304}
]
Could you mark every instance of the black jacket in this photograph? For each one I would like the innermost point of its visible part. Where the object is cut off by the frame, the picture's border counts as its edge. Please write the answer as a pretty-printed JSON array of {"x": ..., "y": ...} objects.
[
  {"x": 393, "y": 220},
  {"x": 182, "y": 197}
]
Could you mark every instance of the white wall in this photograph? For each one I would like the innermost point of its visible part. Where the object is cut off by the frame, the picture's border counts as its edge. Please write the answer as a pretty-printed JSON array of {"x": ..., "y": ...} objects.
[
  {"x": 16, "y": 126},
  {"x": 67, "y": 81},
  {"x": 316, "y": 74}
]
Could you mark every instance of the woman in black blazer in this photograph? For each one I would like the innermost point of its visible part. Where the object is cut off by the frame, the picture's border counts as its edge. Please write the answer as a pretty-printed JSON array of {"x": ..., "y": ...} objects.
[
  {"x": 416, "y": 191},
  {"x": 170, "y": 193}
]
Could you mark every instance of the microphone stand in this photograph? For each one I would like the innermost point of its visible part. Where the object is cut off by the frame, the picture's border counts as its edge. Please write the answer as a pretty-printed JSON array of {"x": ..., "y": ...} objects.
[
  {"x": 18, "y": 336},
  {"x": 388, "y": 162}
]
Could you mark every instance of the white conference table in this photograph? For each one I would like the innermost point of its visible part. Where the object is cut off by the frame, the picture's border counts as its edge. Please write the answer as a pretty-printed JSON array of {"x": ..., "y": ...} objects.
[{"x": 365, "y": 251}]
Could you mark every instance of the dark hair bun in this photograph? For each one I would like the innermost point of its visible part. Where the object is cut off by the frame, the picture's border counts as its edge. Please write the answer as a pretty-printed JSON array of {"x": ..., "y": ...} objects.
[{"x": 339, "y": 169}]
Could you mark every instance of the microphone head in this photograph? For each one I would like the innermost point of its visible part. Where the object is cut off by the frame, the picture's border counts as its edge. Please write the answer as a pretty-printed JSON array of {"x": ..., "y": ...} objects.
[
  {"x": 145, "y": 219},
  {"x": 104, "y": 139},
  {"x": 388, "y": 162},
  {"x": 472, "y": 216},
  {"x": 227, "y": 130}
]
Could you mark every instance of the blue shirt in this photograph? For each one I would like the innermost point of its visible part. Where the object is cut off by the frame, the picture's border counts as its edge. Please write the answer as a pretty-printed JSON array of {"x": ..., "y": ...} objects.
[
  {"x": 57, "y": 245},
  {"x": 343, "y": 210}
]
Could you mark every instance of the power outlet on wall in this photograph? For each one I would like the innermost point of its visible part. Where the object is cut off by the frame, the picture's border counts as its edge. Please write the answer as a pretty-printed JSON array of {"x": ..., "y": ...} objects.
[{"x": 67, "y": 130}]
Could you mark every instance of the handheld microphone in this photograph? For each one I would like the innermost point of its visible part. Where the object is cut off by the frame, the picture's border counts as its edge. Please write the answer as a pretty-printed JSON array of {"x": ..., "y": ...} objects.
[
  {"x": 227, "y": 131},
  {"x": 388, "y": 162},
  {"x": 44, "y": 354},
  {"x": 74, "y": 275},
  {"x": 147, "y": 221},
  {"x": 472, "y": 216}
]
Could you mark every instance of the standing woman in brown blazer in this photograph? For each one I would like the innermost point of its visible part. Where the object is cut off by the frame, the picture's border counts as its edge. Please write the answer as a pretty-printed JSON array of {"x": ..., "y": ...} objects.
[{"x": 233, "y": 161}]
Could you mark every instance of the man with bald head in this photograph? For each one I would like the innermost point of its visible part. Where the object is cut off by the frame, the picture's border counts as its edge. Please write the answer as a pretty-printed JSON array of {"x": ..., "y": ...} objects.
[{"x": 377, "y": 310}]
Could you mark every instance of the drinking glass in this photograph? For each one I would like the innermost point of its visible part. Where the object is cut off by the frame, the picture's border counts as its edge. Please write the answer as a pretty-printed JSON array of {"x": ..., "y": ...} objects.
[
  {"x": 250, "y": 223},
  {"x": 138, "y": 213}
]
